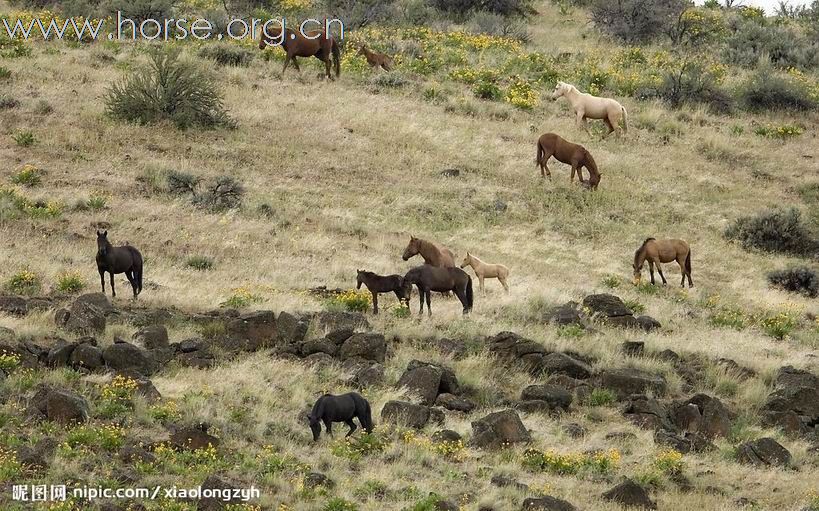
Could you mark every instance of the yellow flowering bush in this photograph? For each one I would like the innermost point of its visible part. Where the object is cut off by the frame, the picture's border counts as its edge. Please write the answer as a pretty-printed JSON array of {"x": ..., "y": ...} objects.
[
  {"x": 780, "y": 324},
  {"x": 352, "y": 300},
  {"x": 10, "y": 467},
  {"x": 669, "y": 462},
  {"x": 107, "y": 436},
  {"x": 781, "y": 132},
  {"x": 24, "y": 282},
  {"x": 355, "y": 448},
  {"x": 602, "y": 462},
  {"x": 29, "y": 175},
  {"x": 452, "y": 450},
  {"x": 9, "y": 361},
  {"x": 521, "y": 94},
  {"x": 241, "y": 297},
  {"x": 70, "y": 282}
]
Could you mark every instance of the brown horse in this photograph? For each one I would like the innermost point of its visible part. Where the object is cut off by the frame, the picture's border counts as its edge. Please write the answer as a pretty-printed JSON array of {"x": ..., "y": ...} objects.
[
  {"x": 376, "y": 59},
  {"x": 432, "y": 278},
  {"x": 550, "y": 144},
  {"x": 433, "y": 254},
  {"x": 382, "y": 284},
  {"x": 663, "y": 251},
  {"x": 125, "y": 259},
  {"x": 314, "y": 43}
]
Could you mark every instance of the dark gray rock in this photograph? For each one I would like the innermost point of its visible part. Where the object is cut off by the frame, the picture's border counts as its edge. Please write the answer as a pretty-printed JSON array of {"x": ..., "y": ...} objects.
[
  {"x": 627, "y": 381},
  {"x": 251, "y": 332},
  {"x": 407, "y": 414},
  {"x": 630, "y": 495},
  {"x": 423, "y": 381},
  {"x": 152, "y": 337},
  {"x": 86, "y": 356},
  {"x": 764, "y": 452},
  {"x": 446, "y": 435},
  {"x": 560, "y": 363},
  {"x": 499, "y": 429},
  {"x": 557, "y": 398},
  {"x": 547, "y": 503},
  {"x": 13, "y": 305},
  {"x": 59, "y": 405},
  {"x": 369, "y": 346},
  {"x": 369, "y": 376},
  {"x": 193, "y": 438},
  {"x": 455, "y": 403},
  {"x": 126, "y": 356},
  {"x": 318, "y": 346}
]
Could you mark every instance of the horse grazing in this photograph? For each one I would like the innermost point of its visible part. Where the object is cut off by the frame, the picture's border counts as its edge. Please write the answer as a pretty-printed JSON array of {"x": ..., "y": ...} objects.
[
  {"x": 550, "y": 144},
  {"x": 375, "y": 59},
  {"x": 663, "y": 251},
  {"x": 315, "y": 43},
  {"x": 433, "y": 254},
  {"x": 485, "y": 270},
  {"x": 329, "y": 409},
  {"x": 587, "y": 106},
  {"x": 382, "y": 284},
  {"x": 125, "y": 259},
  {"x": 430, "y": 278}
]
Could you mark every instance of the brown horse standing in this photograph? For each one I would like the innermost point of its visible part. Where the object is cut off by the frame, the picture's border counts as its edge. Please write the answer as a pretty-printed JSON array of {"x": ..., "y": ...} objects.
[
  {"x": 433, "y": 254},
  {"x": 376, "y": 59},
  {"x": 315, "y": 43},
  {"x": 576, "y": 155},
  {"x": 432, "y": 278},
  {"x": 382, "y": 284},
  {"x": 663, "y": 251}
]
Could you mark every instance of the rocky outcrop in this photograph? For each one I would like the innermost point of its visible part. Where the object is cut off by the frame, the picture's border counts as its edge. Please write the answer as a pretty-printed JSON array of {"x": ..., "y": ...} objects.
[
  {"x": 410, "y": 414},
  {"x": 428, "y": 381},
  {"x": 545, "y": 398},
  {"x": 87, "y": 315},
  {"x": 192, "y": 437},
  {"x": 630, "y": 495},
  {"x": 628, "y": 381},
  {"x": 124, "y": 356},
  {"x": 763, "y": 452},
  {"x": 611, "y": 310},
  {"x": 547, "y": 503},
  {"x": 58, "y": 405},
  {"x": 794, "y": 403}
]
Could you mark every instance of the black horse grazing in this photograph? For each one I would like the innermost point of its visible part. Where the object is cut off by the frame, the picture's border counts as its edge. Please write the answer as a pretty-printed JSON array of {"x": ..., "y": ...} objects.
[
  {"x": 329, "y": 409},
  {"x": 432, "y": 278},
  {"x": 115, "y": 260},
  {"x": 382, "y": 284}
]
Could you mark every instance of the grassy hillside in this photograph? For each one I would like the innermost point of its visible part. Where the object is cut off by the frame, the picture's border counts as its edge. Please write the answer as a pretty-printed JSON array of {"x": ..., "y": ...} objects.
[{"x": 338, "y": 175}]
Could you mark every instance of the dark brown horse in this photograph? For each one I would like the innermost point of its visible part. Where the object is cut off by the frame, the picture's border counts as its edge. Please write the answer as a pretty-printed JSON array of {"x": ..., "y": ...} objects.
[
  {"x": 313, "y": 43},
  {"x": 663, "y": 251},
  {"x": 432, "y": 278},
  {"x": 383, "y": 284},
  {"x": 125, "y": 259},
  {"x": 575, "y": 155}
]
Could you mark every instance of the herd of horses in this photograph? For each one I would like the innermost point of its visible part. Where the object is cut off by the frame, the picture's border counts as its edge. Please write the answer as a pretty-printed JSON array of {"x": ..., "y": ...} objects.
[{"x": 440, "y": 273}]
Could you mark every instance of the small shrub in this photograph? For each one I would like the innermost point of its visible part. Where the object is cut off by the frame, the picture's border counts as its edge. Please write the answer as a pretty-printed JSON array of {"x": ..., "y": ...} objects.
[
  {"x": 225, "y": 193},
  {"x": 97, "y": 202},
  {"x": 24, "y": 282},
  {"x": 213, "y": 330},
  {"x": 571, "y": 331},
  {"x": 9, "y": 362},
  {"x": 339, "y": 504},
  {"x": 401, "y": 312},
  {"x": 601, "y": 397},
  {"x": 728, "y": 317},
  {"x": 200, "y": 263},
  {"x": 612, "y": 281},
  {"x": 782, "y": 132},
  {"x": 774, "y": 231},
  {"x": 486, "y": 89},
  {"x": 635, "y": 306},
  {"x": 801, "y": 280},
  {"x": 669, "y": 462},
  {"x": 227, "y": 54},
  {"x": 70, "y": 282},
  {"x": 241, "y": 297},
  {"x": 24, "y": 138},
  {"x": 117, "y": 397},
  {"x": 429, "y": 503},
  {"x": 168, "y": 89},
  {"x": 391, "y": 80},
  {"x": 7, "y": 102},
  {"x": 502, "y": 7},
  {"x": 694, "y": 83},
  {"x": 778, "y": 325},
  {"x": 43, "y": 107},
  {"x": 637, "y": 20},
  {"x": 521, "y": 94},
  {"x": 570, "y": 464},
  {"x": 768, "y": 90},
  {"x": 356, "y": 448},
  {"x": 352, "y": 300},
  {"x": 10, "y": 467},
  {"x": 29, "y": 175},
  {"x": 5, "y": 74}
]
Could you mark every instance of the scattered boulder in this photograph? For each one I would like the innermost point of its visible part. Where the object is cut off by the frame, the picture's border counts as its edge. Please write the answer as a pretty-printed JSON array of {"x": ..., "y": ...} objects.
[
  {"x": 515, "y": 349},
  {"x": 323, "y": 345},
  {"x": 611, "y": 310},
  {"x": 455, "y": 403},
  {"x": 86, "y": 315},
  {"x": 423, "y": 381},
  {"x": 315, "y": 480},
  {"x": 152, "y": 337},
  {"x": 410, "y": 414},
  {"x": 566, "y": 314},
  {"x": 330, "y": 321},
  {"x": 135, "y": 452},
  {"x": 37, "y": 457},
  {"x": 647, "y": 413},
  {"x": 214, "y": 482},
  {"x": 764, "y": 452},
  {"x": 445, "y": 435},
  {"x": 122, "y": 356},
  {"x": 60, "y": 354},
  {"x": 630, "y": 495},
  {"x": 86, "y": 356},
  {"x": 251, "y": 332},
  {"x": 560, "y": 363},
  {"x": 794, "y": 403},
  {"x": 13, "y": 306},
  {"x": 715, "y": 418},
  {"x": 59, "y": 405},
  {"x": 449, "y": 382},
  {"x": 574, "y": 430},
  {"x": 193, "y": 438},
  {"x": 546, "y": 397},
  {"x": 369, "y": 376},
  {"x": 547, "y": 503},
  {"x": 633, "y": 348},
  {"x": 627, "y": 381},
  {"x": 499, "y": 429},
  {"x": 369, "y": 346},
  {"x": 291, "y": 329}
]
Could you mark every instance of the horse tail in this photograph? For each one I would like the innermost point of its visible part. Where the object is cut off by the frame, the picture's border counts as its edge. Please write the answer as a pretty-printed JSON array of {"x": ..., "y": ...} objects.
[
  {"x": 688, "y": 263},
  {"x": 137, "y": 267},
  {"x": 625, "y": 119},
  {"x": 539, "y": 157},
  {"x": 470, "y": 298},
  {"x": 336, "y": 56}
]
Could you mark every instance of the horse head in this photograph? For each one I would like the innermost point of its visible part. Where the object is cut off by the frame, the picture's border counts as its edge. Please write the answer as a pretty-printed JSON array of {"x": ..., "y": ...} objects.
[
  {"x": 561, "y": 88},
  {"x": 467, "y": 260},
  {"x": 271, "y": 36},
  {"x": 412, "y": 249},
  {"x": 638, "y": 273},
  {"x": 102, "y": 242},
  {"x": 359, "y": 278},
  {"x": 315, "y": 427},
  {"x": 362, "y": 50}
]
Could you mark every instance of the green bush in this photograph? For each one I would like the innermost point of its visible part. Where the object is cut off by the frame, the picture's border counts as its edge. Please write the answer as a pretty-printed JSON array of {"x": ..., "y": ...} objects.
[
  {"x": 24, "y": 138},
  {"x": 5, "y": 74},
  {"x": 774, "y": 231},
  {"x": 169, "y": 88},
  {"x": 339, "y": 504},
  {"x": 200, "y": 263},
  {"x": 637, "y": 20},
  {"x": 601, "y": 397},
  {"x": 227, "y": 54},
  {"x": 29, "y": 175},
  {"x": 497, "y": 25},
  {"x": 461, "y": 8},
  {"x": 768, "y": 90},
  {"x": 692, "y": 83},
  {"x": 24, "y": 282},
  {"x": 225, "y": 192},
  {"x": 750, "y": 41},
  {"x": 487, "y": 89},
  {"x": 70, "y": 282},
  {"x": 801, "y": 280}
]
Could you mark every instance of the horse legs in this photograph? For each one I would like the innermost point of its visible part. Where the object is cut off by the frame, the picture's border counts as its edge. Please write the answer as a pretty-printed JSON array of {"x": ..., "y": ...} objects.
[
  {"x": 132, "y": 279},
  {"x": 480, "y": 281},
  {"x": 113, "y": 291},
  {"x": 610, "y": 126},
  {"x": 421, "y": 292},
  {"x": 660, "y": 271},
  {"x": 286, "y": 63},
  {"x": 428, "y": 293},
  {"x": 327, "y": 68},
  {"x": 296, "y": 65},
  {"x": 352, "y": 425},
  {"x": 328, "y": 425},
  {"x": 375, "y": 302},
  {"x": 102, "y": 280},
  {"x": 651, "y": 270},
  {"x": 581, "y": 122},
  {"x": 504, "y": 284},
  {"x": 544, "y": 169},
  {"x": 461, "y": 294}
]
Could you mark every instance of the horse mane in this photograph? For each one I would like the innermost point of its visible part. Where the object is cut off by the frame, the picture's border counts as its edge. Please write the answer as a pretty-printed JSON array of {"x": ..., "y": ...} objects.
[
  {"x": 642, "y": 248},
  {"x": 590, "y": 163}
]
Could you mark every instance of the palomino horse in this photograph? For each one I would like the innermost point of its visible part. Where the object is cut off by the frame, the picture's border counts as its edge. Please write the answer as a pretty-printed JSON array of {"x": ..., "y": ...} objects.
[
  {"x": 432, "y": 253},
  {"x": 315, "y": 43},
  {"x": 575, "y": 155},
  {"x": 663, "y": 251},
  {"x": 375, "y": 59},
  {"x": 587, "y": 106},
  {"x": 382, "y": 284},
  {"x": 114, "y": 260},
  {"x": 433, "y": 278},
  {"x": 485, "y": 270}
]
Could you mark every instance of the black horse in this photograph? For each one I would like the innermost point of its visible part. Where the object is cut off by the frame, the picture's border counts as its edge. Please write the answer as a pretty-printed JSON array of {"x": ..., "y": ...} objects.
[
  {"x": 329, "y": 409},
  {"x": 382, "y": 284},
  {"x": 432, "y": 278},
  {"x": 115, "y": 260}
]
